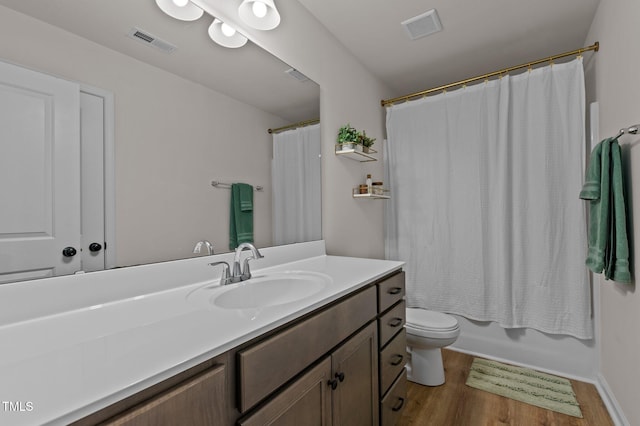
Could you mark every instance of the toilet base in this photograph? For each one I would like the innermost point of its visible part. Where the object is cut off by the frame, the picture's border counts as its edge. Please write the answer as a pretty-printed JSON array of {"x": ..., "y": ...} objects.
[{"x": 425, "y": 366}]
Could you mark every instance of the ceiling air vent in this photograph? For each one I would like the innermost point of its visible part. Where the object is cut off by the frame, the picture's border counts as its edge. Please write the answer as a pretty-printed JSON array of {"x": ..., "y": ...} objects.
[
  {"x": 423, "y": 25},
  {"x": 151, "y": 40},
  {"x": 297, "y": 74}
]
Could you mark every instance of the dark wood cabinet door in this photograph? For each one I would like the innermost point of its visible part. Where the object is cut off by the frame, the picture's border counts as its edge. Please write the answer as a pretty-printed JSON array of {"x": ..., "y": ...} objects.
[
  {"x": 307, "y": 401},
  {"x": 199, "y": 400},
  {"x": 355, "y": 368}
]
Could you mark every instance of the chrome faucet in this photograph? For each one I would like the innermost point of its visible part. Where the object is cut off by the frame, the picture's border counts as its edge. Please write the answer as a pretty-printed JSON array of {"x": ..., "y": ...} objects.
[
  {"x": 225, "y": 278},
  {"x": 239, "y": 274},
  {"x": 244, "y": 273},
  {"x": 207, "y": 244}
]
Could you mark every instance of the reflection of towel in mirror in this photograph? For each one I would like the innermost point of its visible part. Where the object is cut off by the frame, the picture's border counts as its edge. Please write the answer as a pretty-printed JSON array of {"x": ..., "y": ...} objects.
[
  {"x": 603, "y": 187},
  {"x": 241, "y": 215}
]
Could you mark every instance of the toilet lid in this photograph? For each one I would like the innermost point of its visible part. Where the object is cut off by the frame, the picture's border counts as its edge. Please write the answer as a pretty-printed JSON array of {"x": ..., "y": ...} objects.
[{"x": 423, "y": 319}]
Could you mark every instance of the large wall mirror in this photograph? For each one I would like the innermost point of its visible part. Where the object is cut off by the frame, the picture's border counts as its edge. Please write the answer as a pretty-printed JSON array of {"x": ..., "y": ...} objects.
[{"x": 182, "y": 119}]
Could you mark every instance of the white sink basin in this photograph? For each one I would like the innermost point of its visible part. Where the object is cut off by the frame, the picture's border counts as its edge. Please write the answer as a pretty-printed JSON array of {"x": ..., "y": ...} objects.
[{"x": 262, "y": 290}]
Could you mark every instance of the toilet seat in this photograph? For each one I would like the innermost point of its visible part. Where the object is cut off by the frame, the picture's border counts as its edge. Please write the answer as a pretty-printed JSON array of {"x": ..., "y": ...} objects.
[{"x": 431, "y": 324}]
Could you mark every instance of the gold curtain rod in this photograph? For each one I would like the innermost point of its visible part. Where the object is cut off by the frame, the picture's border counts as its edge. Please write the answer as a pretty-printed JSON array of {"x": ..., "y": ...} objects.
[
  {"x": 595, "y": 47},
  {"x": 294, "y": 125}
]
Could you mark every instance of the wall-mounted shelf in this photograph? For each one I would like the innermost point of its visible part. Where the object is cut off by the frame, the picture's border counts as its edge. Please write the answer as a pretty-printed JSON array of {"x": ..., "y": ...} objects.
[
  {"x": 354, "y": 152},
  {"x": 380, "y": 194}
]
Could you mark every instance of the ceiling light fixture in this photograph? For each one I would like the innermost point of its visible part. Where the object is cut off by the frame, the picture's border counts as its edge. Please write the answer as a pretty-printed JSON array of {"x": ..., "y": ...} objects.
[
  {"x": 225, "y": 35},
  {"x": 260, "y": 14},
  {"x": 183, "y": 10},
  {"x": 259, "y": 9}
]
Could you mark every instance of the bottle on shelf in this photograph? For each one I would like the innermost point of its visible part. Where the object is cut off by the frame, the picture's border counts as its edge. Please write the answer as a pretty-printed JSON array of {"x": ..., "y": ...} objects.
[{"x": 368, "y": 181}]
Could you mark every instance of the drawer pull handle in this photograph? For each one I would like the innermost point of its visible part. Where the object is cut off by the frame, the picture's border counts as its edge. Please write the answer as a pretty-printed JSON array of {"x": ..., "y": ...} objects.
[
  {"x": 397, "y": 359},
  {"x": 395, "y": 290},
  {"x": 340, "y": 376},
  {"x": 398, "y": 406},
  {"x": 395, "y": 322},
  {"x": 333, "y": 383}
]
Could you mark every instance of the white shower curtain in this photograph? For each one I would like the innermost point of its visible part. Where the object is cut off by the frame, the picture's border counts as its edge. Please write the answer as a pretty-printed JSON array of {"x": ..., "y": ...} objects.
[
  {"x": 485, "y": 209},
  {"x": 296, "y": 186}
]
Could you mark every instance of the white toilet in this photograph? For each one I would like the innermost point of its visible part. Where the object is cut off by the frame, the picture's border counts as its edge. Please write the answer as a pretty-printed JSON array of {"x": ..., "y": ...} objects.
[{"x": 427, "y": 332}]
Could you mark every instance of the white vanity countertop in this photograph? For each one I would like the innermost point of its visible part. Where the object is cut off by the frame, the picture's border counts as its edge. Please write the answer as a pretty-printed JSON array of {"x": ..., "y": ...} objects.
[{"x": 60, "y": 366}]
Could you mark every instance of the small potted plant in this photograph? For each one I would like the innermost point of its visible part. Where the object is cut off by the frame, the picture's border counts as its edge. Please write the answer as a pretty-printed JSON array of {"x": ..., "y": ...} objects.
[
  {"x": 347, "y": 137},
  {"x": 365, "y": 141}
]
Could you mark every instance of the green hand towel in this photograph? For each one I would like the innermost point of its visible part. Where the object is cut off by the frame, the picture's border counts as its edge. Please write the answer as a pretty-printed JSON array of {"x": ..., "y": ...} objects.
[
  {"x": 246, "y": 197},
  {"x": 617, "y": 267},
  {"x": 240, "y": 221},
  {"x": 608, "y": 243},
  {"x": 596, "y": 189}
]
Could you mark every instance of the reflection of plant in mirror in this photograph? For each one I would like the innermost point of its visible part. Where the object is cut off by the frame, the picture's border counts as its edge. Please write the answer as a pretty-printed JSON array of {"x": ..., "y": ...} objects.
[{"x": 347, "y": 134}]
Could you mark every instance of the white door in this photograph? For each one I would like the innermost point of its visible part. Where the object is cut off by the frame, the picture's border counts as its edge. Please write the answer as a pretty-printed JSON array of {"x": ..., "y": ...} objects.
[{"x": 39, "y": 175}]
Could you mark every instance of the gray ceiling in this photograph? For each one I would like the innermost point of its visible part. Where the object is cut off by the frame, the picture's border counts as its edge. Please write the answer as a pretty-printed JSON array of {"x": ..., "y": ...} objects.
[{"x": 477, "y": 37}]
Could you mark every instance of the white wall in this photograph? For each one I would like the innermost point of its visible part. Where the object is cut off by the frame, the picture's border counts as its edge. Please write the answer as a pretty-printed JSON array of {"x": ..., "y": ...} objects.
[
  {"x": 613, "y": 80},
  {"x": 172, "y": 138},
  {"x": 348, "y": 94}
]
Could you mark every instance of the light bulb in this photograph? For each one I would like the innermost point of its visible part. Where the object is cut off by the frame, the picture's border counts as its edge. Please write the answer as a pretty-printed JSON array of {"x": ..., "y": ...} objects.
[
  {"x": 259, "y": 9},
  {"x": 227, "y": 30},
  {"x": 180, "y": 3}
]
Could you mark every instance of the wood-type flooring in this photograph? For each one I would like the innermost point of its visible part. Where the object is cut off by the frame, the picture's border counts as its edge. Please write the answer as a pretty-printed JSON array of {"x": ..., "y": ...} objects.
[{"x": 455, "y": 404}]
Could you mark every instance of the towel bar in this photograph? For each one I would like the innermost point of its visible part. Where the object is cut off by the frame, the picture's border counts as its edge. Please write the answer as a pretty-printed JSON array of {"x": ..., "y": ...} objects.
[
  {"x": 218, "y": 184},
  {"x": 632, "y": 130}
]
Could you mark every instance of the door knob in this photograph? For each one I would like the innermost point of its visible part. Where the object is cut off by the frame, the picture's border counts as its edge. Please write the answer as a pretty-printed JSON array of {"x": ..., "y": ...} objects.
[
  {"x": 95, "y": 247},
  {"x": 69, "y": 252}
]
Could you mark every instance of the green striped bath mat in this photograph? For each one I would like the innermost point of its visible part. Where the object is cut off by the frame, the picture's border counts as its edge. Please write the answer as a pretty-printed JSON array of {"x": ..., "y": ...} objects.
[{"x": 525, "y": 385}]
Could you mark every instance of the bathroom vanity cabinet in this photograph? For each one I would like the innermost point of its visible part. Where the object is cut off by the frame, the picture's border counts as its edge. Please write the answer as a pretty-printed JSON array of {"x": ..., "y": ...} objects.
[
  {"x": 342, "y": 364},
  {"x": 340, "y": 390},
  {"x": 393, "y": 348}
]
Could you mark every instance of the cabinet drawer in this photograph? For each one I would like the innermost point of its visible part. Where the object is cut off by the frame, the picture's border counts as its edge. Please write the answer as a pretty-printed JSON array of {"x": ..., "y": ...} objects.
[
  {"x": 392, "y": 360},
  {"x": 267, "y": 365},
  {"x": 390, "y": 291},
  {"x": 393, "y": 403},
  {"x": 391, "y": 323}
]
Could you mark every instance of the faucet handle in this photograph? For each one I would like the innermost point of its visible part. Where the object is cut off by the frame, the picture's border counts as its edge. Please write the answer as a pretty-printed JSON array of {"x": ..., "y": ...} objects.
[
  {"x": 225, "y": 278},
  {"x": 246, "y": 271}
]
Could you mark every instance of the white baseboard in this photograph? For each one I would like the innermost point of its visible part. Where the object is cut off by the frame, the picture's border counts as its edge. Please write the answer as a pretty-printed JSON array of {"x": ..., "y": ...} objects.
[
  {"x": 616, "y": 413},
  {"x": 525, "y": 365}
]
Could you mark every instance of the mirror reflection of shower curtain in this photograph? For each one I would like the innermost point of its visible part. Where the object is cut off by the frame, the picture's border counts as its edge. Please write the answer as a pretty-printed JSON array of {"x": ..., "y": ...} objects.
[
  {"x": 297, "y": 186},
  {"x": 485, "y": 210}
]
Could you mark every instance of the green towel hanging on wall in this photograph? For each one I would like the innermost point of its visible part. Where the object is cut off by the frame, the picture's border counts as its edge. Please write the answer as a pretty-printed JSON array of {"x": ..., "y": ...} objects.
[
  {"x": 241, "y": 215},
  {"x": 604, "y": 189}
]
